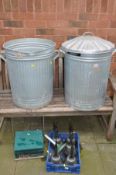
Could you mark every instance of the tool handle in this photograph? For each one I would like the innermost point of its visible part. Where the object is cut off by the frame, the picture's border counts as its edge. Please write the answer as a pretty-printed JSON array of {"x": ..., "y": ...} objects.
[{"x": 49, "y": 138}]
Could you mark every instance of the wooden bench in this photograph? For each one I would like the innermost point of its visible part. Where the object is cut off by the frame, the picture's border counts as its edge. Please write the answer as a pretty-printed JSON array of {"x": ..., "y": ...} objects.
[{"x": 57, "y": 107}]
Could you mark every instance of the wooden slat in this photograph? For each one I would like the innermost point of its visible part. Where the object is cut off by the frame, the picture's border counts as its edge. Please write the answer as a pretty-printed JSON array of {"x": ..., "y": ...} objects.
[{"x": 56, "y": 108}]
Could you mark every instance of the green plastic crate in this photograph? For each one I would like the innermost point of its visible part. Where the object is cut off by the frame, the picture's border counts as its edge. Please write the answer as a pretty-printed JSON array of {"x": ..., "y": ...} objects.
[{"x": 28, "y": 143}]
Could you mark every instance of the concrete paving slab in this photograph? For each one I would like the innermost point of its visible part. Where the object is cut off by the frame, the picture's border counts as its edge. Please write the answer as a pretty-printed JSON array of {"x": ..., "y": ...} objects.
[
  {"x": 108, "y": 157},
  {"x": 99, "y": 131},
  {"x": 91, "y": 163}
]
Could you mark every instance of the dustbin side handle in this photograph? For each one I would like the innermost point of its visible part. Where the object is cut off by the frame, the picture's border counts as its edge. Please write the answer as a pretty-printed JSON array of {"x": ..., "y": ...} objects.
[
  {"x": 61, "y": 53},
  {"x": 114, "y": 52},
  {"x": 56, "y": 54},
  {"x": 2, "y": 56}
]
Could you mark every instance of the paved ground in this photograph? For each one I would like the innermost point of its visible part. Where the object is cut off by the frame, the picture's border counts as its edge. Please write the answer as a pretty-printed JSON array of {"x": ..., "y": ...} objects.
[{"x": 98, "y": 156}]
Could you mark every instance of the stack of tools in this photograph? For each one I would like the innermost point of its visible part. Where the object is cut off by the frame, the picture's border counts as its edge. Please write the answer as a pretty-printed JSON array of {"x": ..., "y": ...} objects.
[
  {"x": 28, "y": 144},
  {"x": 63, "y": 151}
]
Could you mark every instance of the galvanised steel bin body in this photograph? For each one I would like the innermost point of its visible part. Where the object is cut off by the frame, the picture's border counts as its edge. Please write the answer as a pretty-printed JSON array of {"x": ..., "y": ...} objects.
[
  {"x": 30, "y": 68},
  {"x": 86, "y": 68}
]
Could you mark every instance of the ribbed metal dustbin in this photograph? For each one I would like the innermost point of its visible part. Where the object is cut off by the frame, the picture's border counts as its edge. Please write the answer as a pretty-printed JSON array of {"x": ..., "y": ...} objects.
[
  {"x": 30, "y": 68},
  {"x": 86, "y": 68}
]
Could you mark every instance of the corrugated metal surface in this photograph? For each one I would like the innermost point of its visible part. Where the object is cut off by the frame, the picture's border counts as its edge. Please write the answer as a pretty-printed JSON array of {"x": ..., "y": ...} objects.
[
  {"x": 88, "y": 44},
  {"x": 31, "y": 76},
  {"x": 86, "y": 81},
  {"x": 87, "y": 64}
]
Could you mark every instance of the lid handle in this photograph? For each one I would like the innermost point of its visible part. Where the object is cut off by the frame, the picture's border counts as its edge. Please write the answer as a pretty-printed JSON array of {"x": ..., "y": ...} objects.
[{"x": 88, "y": 33}]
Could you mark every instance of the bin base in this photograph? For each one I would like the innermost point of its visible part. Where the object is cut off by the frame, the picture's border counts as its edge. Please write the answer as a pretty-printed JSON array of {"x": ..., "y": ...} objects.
[{"x": 32, "y": 104}]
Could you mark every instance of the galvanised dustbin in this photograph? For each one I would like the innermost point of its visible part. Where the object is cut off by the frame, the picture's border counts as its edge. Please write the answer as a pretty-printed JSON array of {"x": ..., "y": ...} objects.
[
  {"x": 30, "y": 68},
  {"x": 86, "y": 71}
]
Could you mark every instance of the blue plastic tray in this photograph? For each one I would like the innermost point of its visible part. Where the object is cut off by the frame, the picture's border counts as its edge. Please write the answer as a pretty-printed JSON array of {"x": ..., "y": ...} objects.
[{"x": 62, "y": 168}]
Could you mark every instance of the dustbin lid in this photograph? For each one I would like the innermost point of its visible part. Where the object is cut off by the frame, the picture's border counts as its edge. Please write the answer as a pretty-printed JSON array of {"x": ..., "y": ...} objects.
[{"x": 87, "y": 44}]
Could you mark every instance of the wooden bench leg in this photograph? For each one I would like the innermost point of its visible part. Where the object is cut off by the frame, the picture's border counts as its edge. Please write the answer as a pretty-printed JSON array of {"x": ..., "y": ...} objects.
[
  {"x": 1, "y": 122},
  {"x": 111, "y": 125},
  {"x": 3, "y": 74}
]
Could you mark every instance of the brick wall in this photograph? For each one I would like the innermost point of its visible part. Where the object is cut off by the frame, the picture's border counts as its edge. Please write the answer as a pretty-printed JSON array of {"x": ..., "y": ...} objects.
[{"x": 57, "y": 19}]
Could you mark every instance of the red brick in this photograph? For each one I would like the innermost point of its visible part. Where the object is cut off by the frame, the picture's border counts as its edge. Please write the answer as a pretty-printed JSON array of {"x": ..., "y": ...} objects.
[
  {"x": 26, "y": 32},
  {"x": 109, "y": 89},
  {"x": 104, "y": 16},
  {"x": 96, "y": 6},
  {"x": 14, "y": 5},
  {"x": 113, "y": 68},
  {"x": 112, "y": 17},
  {"x": 111, "y": 38},
  {"x": 1, "y": 41},
  {"x": 45, "y": 5},
  {"x": 102, "y": 33},
  {"x": 52, "y": 5},
  {"x": 59, "y": 19},
  {"x": 114, "y": 8},
  {"x": 38, "y": 5},
  {"x": 48, "y": 6},
  {"x": 88, "y": 16},
  {"x": 30, "y": 5},
  {"x": 111, "y": 5},
  {"x": 1, "y": 23},
  {"x": 91, "y": 24},
  {"x": 5, "y": 15},
  {"x": 51, "y": 23},
  {"x": 23, "y": 5},
  {"x": 112, "y": 35},
  {"x": 79, "y": 24},
  {"x": 114, "y": 57},
  {"x": 66, "y": 31},
  {"x": 58, "y": 45},
  {"x": 113, "y": 24},
  {"x": 112, "y": 32},
  {"x": 57, "y": 23},
  {"x": 5, "y": 32},
  {"x": 82, "y": 6},
  {"x": 45, "y": 16},
  {"x": 22, "y": 15},
  {"x": 66, "y": 16},
  {"x": 9, "y": 23},
  {"x": 1, "y": 6},
  {"x": 7, "y": 5},
  {"x": 104, "y": 4},
  {"x": 35, "y": 23},
  {"x": 29, "y": 15},
  {"x": 102, "y": 24},
  {"x": 55, "y": 38},
  {"x": 60, "y": 6},
  {"x": 67, "y": 5},
  {"x": 75, "y": 6},
  {"x": 10, "y": 37},
  {"x": 17, "y": 31},
  {"x": 89, "y": 6},
  {"x": 43, "y": 31},
  {"x": 18, "y": 15}
]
